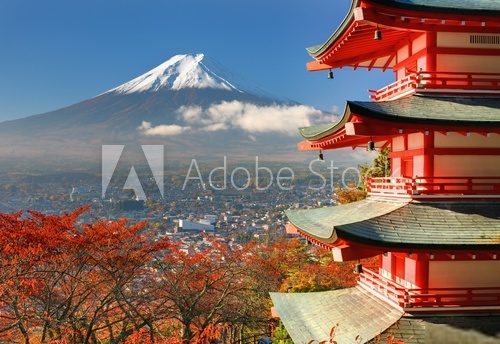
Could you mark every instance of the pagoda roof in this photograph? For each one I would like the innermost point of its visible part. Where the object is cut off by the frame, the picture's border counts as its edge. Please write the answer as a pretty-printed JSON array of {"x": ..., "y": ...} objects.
[
  {"x": 462, "y": 111},
  {"x": 399, "y": 19},
  {"x": 411, "y": 224},
  {"x": 311, "y": 316},
  {"x": 440, "y": 329},
  {"x": 308, "y": 316},
  {"x": 318, "y": 49}
]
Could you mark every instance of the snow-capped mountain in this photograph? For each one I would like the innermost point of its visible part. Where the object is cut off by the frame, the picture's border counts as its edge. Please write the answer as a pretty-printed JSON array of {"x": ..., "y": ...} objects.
[
  {"x": 178, "y": 72},
  {"x": 187, "y": 103}
]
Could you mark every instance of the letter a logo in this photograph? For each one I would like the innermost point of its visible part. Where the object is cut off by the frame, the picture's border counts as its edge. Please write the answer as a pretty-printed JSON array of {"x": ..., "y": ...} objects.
[{"x": 111, "y": 156}]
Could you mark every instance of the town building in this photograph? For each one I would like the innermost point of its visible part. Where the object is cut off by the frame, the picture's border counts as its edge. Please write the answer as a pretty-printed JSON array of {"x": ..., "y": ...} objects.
[{"x": 196, "y": 226}]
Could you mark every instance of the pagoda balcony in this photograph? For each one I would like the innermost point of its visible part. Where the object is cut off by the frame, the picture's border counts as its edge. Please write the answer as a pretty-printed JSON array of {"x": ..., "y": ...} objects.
[
  {"x": 439, "y": 82},
  {"x": 430, "y": 299},
  {"x": 434, "y": 187}
]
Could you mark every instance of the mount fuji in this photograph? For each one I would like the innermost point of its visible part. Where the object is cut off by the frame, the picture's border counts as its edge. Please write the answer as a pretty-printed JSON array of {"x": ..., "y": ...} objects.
[
  {"x": 179, "y": 72},
  {"x": 189, "y": 104}
]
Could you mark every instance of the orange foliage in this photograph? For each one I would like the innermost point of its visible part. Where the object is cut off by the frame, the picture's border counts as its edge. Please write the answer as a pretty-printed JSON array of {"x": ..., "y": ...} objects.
[
  {"x": 116, "y": 282},
  {"x": 349, "y": 194}
]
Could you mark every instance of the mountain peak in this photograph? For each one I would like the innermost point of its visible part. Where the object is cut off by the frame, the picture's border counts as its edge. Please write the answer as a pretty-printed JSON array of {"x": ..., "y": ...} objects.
[{"x": 178, "y": 72}]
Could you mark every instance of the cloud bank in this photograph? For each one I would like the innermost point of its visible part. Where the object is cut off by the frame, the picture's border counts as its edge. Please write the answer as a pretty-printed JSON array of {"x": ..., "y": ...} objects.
[
  {"x": 162, "y": 130},
  {"x": 251, "y": 118}
]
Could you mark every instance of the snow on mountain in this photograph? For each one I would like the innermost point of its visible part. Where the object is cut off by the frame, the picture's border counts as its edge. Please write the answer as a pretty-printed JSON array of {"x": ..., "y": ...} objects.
[
  {"x": 179, "y": 72},
  {"x": 186, "y": 104}
]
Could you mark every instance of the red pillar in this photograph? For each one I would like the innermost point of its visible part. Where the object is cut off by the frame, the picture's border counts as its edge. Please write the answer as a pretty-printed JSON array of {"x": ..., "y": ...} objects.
[
  {"x": 431, "y": 43},
  {"x": 422, "y": 270},
  {"x": 429, "y": 154}
]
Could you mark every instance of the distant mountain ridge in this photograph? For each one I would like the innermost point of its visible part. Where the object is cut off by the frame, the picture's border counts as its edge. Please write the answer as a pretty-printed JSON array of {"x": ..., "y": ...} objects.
[{"x": 182, "y": 104}]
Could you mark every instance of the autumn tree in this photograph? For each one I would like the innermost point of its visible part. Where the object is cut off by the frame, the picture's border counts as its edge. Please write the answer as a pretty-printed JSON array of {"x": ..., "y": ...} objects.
[
  {"x": 205, "y": 289},
  {"x": 62, "y": 282},
  {"x": 120, "y": 257},
  {"x": 116, "y": 282},
  {"x": 380, "y": 167},
  {"x": 30, "y": 249}
]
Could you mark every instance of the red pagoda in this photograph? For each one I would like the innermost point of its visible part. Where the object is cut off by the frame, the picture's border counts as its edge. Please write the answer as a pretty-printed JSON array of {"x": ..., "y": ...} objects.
[{"x": 435, "y": 220}]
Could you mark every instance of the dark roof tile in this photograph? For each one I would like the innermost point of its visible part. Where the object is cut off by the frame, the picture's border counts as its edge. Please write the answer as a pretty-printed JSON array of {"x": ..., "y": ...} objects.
[
  {"x": 418, "y": 109},
  {"x": 404, "y": 224},
  {"x": 310, "y": 316},
  {"x": 440, "y": 329}
]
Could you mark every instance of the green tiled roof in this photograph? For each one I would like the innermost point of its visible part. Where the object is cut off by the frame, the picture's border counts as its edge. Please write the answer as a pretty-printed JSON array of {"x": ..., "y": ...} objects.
[
  {"x": 413, "y": 224},
  {"x": 311, "y": 316},
  {"x": 320, "y": 128},
  {"x": 440, "y": 329},
  {"x": 484, "y": 7},
  {"x": 321, "y": 222},
  {"x": 472, "y": 111}
]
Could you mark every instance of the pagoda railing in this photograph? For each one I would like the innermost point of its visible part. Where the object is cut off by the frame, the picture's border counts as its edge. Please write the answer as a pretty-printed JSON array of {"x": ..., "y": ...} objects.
[
  {"x": 438, "y": 82},
  {"x": 401, "y": 87},
  {"x": 434, "y": 186},
  {"x": 423, "y": 299},
  {"x": 382, "y": 286}
]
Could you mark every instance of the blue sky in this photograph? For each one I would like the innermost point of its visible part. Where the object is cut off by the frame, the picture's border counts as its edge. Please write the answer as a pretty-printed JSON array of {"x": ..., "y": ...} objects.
[{"x": 57, "y": 52}]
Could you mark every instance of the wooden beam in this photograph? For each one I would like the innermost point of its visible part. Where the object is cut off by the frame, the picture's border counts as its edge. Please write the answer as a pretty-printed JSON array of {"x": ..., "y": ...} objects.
[
  {"x": 466, "y": 151},
  {"x": 388, "y": 62},
  {"x": 404, "y": 21},
  {"x": 444, "y": 151},
  {"x": 314, "y": 66},
  {"x": 306, "y": 146},
  {"x": 372, "y": 63},
  {"x": 346, "y": 253},
  {"x": 358, "y": 58},
  {"x": 464, "y": 51},
  {"x": 411, "y": 59},
  {"x": 408, "y": 153}
]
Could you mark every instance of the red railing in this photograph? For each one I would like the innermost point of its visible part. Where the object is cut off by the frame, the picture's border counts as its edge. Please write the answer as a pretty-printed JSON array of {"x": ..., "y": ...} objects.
[
  {"x": 389, "y": 186},
  {"x": 453, "y": 297},
  {"x": 382, "y": 286},
  {"x": 445, "y": 298},
  {"x": 405, "y": 85},
  {"x": 434, "y": 186},
  {"x": 434, "y": 81}
]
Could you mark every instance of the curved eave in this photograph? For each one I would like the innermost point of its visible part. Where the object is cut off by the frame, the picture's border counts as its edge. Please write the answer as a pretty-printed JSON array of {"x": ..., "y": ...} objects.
[
  {"x": 320, "y": 223},
  {"x": 319, "y": 131},
  {"x": 352, "y": 44},
  {"x": 312, "y": 315},
  {"x": 448, "y": 112},
  {"x": 356, "y": 47},
  {"x": 359, "y": 108},
  {"x": 319, "y": 49},
  {"x": 404, "y": 225},
  {"x": 346, "y": 236}
]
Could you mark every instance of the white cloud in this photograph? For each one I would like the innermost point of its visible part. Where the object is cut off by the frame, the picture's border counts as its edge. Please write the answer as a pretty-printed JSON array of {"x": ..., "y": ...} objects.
[
  {"x": 162, "y": 130},
  {"x": 215, "y": 127},
  {"x": 190, "y": 114},
  {"x": 276, "y": 118},
  {"x": 250, "y": 117},
  {"x": 336, "y": 109},
  {"x": 324, "y": 117}
]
